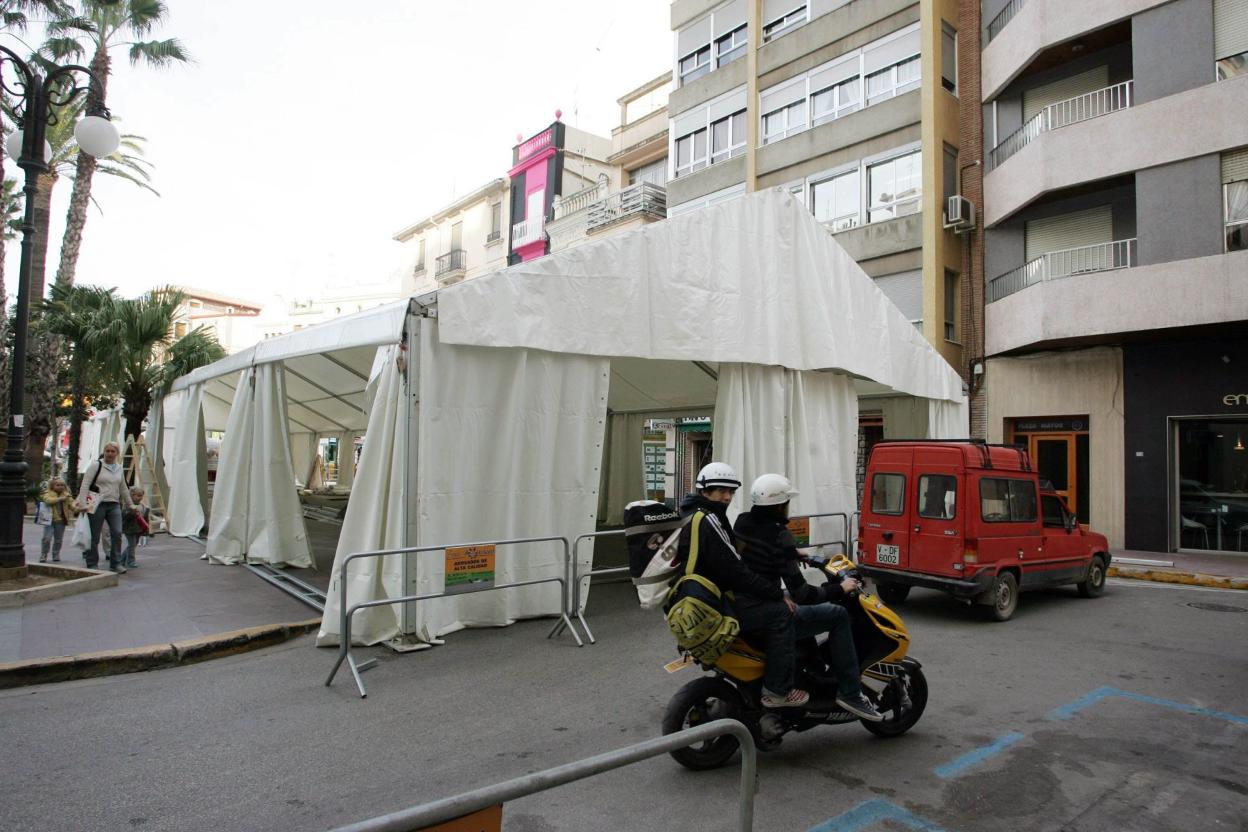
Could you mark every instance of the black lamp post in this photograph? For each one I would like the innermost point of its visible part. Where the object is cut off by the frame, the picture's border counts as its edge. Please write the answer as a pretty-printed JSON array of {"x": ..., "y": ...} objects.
[{"x": 37, "y": 101}]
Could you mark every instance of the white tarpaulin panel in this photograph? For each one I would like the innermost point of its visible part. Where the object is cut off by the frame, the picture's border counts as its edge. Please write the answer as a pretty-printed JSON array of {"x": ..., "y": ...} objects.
[
  {"x": 375, "y": 518},
  {"x": 187, "y": 467},
  {"x": 510, "y": 447},
  {"x": 154, "y": 438},
  {"x": 947, "y": 420},
  {"x": 89, "y": 443},
  {"x": 703, "y": 287},
  {"x": 802, "y": 425},
  {"x": 256, "y": 513}
]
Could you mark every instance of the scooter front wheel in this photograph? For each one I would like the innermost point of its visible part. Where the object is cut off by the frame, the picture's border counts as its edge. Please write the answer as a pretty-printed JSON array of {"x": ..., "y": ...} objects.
[
  {"x": 899, "y": 719},
  {"x": 697, "y": 703}
]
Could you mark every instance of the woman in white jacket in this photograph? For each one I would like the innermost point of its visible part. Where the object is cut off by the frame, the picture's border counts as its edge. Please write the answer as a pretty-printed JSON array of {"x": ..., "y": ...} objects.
[{"x": 106, "y": 481}]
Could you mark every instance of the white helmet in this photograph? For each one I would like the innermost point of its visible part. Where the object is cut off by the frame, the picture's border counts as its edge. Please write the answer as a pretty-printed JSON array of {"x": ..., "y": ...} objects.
[
  {"x": 771, "y": 490},
  {"x": 717, "y": 475}
]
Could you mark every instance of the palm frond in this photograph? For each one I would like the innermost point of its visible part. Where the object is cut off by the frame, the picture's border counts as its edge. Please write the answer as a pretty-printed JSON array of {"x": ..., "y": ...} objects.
[
  {"x": 59, "y": 49},
  {"x": 159, "y": 53},
  {"x": 121, "y": 174},
  {"x": 70, "y": 26}
]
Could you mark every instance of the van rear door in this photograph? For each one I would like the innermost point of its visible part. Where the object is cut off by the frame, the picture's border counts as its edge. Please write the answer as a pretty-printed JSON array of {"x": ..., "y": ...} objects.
[
  {"x": 886, "y": 515},
  {"x": 936, "y": 541}
]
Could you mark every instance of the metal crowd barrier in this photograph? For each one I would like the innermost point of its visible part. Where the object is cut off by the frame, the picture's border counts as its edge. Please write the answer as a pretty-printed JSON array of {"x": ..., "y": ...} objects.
[
  {"x": 577, "y": 580},
  {"x": 844, "y": 541},
  {"x": 451, "y": 808},
  {"x": 345, "y": 614}
]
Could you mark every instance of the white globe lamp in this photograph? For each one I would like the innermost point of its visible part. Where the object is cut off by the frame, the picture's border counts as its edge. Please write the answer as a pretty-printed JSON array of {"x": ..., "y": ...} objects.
[
  {"x": 97, "y": 136},
  {"x": 13, "y": 147}
]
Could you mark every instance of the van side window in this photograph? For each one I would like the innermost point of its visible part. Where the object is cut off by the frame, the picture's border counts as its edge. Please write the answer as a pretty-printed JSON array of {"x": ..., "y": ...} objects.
[
  {"x": 938, "y": 496},
  {"x": 1054, "y": 516},
  {"x": 887, "y": 493},
  {"x": 1007, "y": 500}
]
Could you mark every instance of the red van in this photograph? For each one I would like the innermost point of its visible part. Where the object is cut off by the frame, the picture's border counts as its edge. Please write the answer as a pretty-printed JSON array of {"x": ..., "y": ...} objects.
[{"x": 971, "y": 519}]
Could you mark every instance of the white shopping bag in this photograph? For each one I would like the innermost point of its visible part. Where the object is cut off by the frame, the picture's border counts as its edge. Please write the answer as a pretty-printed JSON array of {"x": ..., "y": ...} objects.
[{"x": 80, "y": 538}]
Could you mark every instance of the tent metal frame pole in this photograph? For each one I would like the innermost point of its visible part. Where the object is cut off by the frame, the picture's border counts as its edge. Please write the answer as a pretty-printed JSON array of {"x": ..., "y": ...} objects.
[
  {"x": 344, "y": 366},
  {"x": 411, "y": 453},
  {"x": 324, "y": 390},
  {"x": 316, "y": 412},
  {"x": 208, "y": 392}
]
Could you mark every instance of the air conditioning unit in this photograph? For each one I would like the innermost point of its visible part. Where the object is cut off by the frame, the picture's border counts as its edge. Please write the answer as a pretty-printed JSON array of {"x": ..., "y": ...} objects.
[{"x": 960, "y": 213}]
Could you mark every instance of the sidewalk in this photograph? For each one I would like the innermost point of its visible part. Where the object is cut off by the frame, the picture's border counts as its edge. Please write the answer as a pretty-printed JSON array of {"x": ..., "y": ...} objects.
[
  {"x": 1228, "y": 571},
  {"x": 172, "y": 596}
]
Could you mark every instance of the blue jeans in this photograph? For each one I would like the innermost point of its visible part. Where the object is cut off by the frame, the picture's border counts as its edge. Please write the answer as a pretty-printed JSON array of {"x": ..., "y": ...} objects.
[
  {"x": 110, "y": 512},
  {"x": 813, "y": 619},
  {"x": 132, "y": 541},
  {"x": 53, "y": 536},
  {"x": 773, "y": 621}
]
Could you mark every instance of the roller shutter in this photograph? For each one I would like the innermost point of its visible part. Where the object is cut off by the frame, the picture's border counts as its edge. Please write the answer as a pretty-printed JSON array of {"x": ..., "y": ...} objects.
[
  {"x": 905, "y": 290},
  {"x": 1230, "y": 28},
  {"x": 1235, "y": 165},
  {"x": 887, "y": 54},
  {"x": 729, "y": 17},
  {"x": 1036, "y": 99},
  {"x": 694, "y": 36},
  {"x": 1082, "y": 228}
]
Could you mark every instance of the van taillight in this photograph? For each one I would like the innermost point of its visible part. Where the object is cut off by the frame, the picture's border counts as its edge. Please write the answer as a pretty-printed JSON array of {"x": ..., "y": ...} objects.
[{"x": 970, "y": 556}]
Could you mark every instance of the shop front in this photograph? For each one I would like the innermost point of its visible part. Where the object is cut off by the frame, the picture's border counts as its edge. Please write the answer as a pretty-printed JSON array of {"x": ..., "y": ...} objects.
[{"x": 1187, "y": 445}]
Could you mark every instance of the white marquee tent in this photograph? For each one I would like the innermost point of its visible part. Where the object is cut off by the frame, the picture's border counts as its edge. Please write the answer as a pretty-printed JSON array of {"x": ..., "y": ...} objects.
[{"x": 487, "y": 411}]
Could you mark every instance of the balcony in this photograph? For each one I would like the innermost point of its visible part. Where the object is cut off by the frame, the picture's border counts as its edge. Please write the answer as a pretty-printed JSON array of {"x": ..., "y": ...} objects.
[
  {"x": 641, "y": 200},
  {"x": 528, "y": 231},
  {"x": 1063, "y": 113},
  {"x": 1003, "y": 17},
  {"x": 1105, "y": 257},
  {"x": 572, "y": 203},
  {"x": 449, "y": 264}
]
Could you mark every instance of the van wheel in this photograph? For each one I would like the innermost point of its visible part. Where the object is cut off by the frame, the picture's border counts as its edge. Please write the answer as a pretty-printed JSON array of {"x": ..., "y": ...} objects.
[
  {"x": 1002, "y": 599},
  {"x": 1095, "y": 583},
  {"x": 894, "y": 593}
]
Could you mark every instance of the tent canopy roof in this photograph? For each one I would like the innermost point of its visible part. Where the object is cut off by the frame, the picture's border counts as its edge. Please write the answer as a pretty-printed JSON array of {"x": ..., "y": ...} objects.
[{"x": 753, "y": 280}]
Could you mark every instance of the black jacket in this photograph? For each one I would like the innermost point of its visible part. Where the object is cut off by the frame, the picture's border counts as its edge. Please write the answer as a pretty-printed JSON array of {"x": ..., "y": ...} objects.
[
  {"x": 769, "y": 550},
  {"x": 717, "y": 555}
]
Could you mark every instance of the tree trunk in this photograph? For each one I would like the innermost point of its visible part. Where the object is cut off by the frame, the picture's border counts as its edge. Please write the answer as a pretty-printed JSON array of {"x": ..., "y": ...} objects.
[
  {"x": 135, "y": 410},
  {"x": 80, "y": 197},
  {"x": 41, "y": 362}
]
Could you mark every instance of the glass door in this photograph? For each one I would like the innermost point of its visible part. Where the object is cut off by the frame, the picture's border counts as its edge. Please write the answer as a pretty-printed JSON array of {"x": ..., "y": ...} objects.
[{"x": 1211, "y": 462}]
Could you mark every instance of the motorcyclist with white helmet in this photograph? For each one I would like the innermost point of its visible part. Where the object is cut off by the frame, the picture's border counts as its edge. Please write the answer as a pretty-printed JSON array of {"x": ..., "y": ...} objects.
[
  {"x": 759, "y": 604},
  {"x": 770, "y": 550}
]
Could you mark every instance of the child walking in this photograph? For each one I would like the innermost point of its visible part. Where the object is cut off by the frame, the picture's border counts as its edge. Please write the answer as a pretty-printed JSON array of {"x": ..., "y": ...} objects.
[
  {"x": 64, "y": 511},
  {"x": 134, "y": 525}
]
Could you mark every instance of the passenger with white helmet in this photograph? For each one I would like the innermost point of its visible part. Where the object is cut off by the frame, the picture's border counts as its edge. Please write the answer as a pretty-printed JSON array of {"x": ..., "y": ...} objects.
[
  {"x": 769, "y": 550},
  {"x": 759, "y": 604}
]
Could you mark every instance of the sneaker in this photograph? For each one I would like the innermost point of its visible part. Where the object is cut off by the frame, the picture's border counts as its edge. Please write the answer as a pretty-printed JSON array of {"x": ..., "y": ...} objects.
[
  {"x": 860, "y": 706},
  {"x": 43, "y": 559},
  {"x": 56, "y": 560},
  {"x": 795, "y": 699},
  {"x": 119, "y": 569},
  {"x": 132, "y": 565}
]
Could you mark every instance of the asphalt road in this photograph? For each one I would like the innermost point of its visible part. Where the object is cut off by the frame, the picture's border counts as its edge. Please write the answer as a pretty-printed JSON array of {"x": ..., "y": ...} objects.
[{"x": 1128, "y": 712}]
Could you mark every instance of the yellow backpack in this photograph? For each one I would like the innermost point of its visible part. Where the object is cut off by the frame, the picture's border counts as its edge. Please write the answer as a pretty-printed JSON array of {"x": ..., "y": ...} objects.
[{"x": 698, "y": 614}]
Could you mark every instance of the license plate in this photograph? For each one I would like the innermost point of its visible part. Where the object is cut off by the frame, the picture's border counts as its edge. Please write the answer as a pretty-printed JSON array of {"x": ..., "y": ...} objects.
[
  {"x": 679, "y": 664},
  {"x": 887, "y": 554}
]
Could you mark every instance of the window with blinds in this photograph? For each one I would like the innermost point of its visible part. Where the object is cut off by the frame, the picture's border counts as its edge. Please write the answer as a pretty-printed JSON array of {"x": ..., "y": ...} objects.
[
  {"x": 1230, "y": 38},
  {"x": 1076, "y": 230},
  {"x": 1037, "y": 98},
  {"x": 1235, "y": 198}
]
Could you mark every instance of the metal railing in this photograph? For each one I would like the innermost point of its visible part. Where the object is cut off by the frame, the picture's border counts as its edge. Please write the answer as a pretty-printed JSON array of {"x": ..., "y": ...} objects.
[
  {"x": 452, "y": 808},
  {"x": 844, "y": 539},
  {"x": 493, "y": 235},
  {"x": 1003, "y": 17},
  {"x": 577, "y": 579},
  {"x": 1103, "y": 257},
  {"x": 346, "y": 613},
  {"x": 641, "y": 198},
  {"x": 528, "y": 231},
  {"x": 1062, "y": 114},
  {"x": 453, "y": 261}
]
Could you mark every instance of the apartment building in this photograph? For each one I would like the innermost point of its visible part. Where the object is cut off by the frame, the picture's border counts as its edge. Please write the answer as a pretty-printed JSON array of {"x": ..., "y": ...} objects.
[
  {"x": 852, "y": 106},
  {"x": 1115, "y": 250},
  {"x": 232, "y": 321},
  {"x": 634, "y": 192},
  {"x": 464, "y": 239}
]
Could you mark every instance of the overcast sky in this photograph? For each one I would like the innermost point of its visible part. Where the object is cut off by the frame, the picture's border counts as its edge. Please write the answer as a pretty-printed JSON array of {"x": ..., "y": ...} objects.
[{"x": 307, "y": 131}]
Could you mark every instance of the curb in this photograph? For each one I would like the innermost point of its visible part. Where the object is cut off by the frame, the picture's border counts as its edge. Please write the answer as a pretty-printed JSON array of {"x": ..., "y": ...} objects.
[
  {"x": 1167, "y": 576},
  {"x": 151, "y": 657}
]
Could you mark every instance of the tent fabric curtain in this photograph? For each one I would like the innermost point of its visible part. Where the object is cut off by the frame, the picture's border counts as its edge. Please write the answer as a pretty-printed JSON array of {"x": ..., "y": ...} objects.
[
  {"x": 302, "y": 452},
  {"x": 510, "y": 445},
  {"x": 800, "y": 424},
  {"x": 154, "y": 438},
  {"x": 256, "y": 513},
  {"x": 623, "y": 477},
  {"x": 375, "y": 517},
  {"x": 187, "y": 486},
  {"x": 89, "y": 443},
  {"x": 947, "y": 420},
  {"x": 346, "y": 460}
]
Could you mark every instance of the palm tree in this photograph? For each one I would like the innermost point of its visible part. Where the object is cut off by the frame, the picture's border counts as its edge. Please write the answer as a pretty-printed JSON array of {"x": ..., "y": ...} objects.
[
  {"x": 98, "y": 27},
  {"x": 74, "y": 313}
]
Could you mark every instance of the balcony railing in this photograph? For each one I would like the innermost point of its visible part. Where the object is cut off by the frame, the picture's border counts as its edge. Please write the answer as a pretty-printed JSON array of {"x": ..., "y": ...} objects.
[
  {"x": 582, "y": 199},
  {"x": 1003, "y": 17},
  {"x": 493, "y": 235},
  {"x": 642, "y": 198},
  {"x": 1103, "y": 257},
  {"x": 1064, "y": 113},
  {"x": 528, "y": 231},
  {"x": 453, "y": 261}
]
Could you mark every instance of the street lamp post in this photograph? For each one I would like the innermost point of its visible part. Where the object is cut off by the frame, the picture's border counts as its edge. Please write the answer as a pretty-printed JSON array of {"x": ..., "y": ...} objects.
[{"x": 38, "y": 100}]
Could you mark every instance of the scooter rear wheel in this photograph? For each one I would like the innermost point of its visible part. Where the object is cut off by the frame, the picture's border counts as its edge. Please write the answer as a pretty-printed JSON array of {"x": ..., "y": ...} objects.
[
  {"x": 897, "y": 723},
  {"x": 697, "y": 703}
]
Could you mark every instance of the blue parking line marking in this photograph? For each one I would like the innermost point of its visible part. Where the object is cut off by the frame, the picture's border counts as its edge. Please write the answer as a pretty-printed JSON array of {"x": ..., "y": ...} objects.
[
  {"x": 1087, "y": 700},
  {"x": 873, "y": 811},
  {"x": 972, "y": 758}
]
